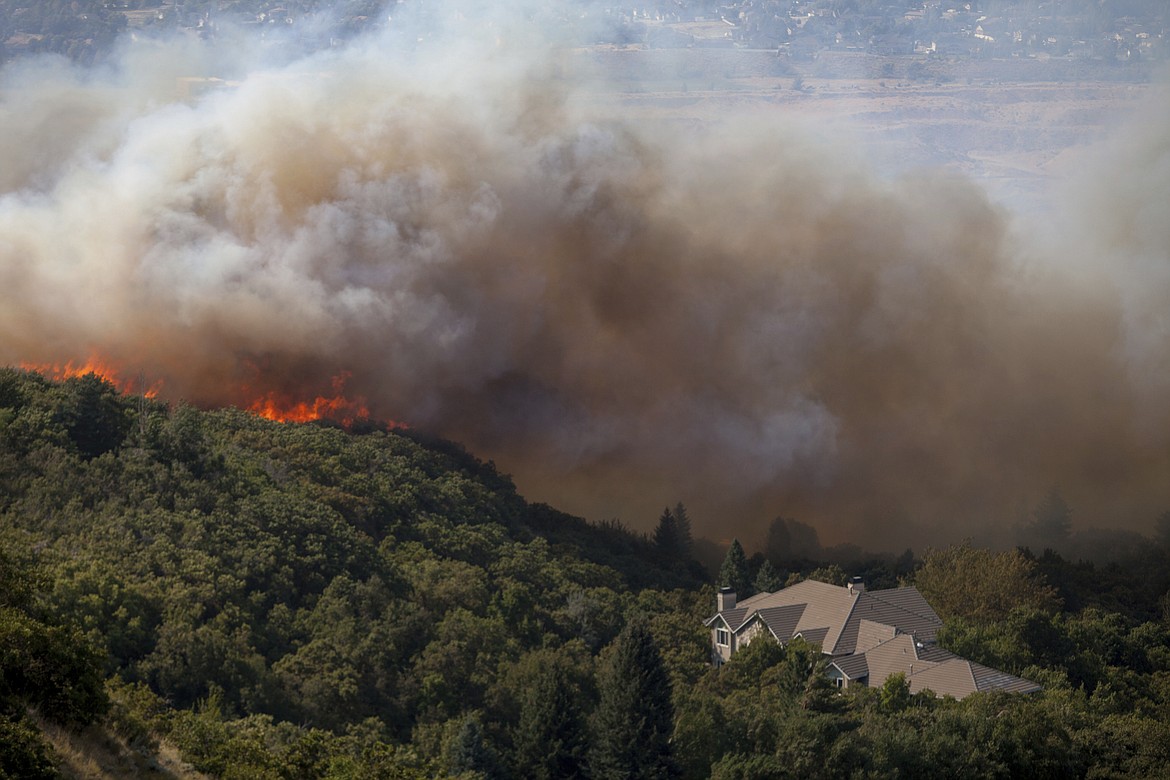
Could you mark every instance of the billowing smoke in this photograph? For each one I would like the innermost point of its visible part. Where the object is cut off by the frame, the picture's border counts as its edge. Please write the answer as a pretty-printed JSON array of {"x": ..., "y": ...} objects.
[{"x": 623, "y": 314}]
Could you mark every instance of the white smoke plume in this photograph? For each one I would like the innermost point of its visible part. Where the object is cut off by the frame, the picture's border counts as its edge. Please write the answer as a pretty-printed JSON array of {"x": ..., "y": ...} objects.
[{"x": 621, "y": 313}]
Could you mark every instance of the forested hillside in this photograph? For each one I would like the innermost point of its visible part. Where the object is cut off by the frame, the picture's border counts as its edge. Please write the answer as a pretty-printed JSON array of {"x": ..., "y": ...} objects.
[{"x": 302, "y": 601}]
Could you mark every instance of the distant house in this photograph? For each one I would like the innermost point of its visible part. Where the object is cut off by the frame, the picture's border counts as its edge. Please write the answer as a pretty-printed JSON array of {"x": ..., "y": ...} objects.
[{"x": 868, "y": 635}]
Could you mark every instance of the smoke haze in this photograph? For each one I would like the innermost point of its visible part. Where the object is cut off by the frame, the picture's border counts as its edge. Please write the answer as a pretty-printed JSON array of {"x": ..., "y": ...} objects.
[{"x": 739, "y": 314}]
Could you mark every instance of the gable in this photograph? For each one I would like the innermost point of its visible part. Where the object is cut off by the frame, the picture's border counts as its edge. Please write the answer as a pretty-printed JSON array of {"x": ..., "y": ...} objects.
[
  {"x": 782, "y": 621},
  {"x": 871, "y": 634},
  {"x": 950, "y": 678},
  {"x": 902, "y": 608}
]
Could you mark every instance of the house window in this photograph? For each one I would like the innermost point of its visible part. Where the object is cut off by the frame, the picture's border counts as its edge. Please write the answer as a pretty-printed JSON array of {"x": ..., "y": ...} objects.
[
  {"x": 722, "y": 637},
  {"x": 840, "y": 682}
]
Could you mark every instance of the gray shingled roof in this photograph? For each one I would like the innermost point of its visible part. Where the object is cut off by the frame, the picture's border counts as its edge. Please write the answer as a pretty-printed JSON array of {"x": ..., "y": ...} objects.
[
  {"x": 733, "y": 617},
  {"x": 935, "y": 654},
  {"x": 903, "y": 608},
  {"x": 815, "y": 636},
  {"x": 988, "y": 679},
  {"x": 782, "y": 621},
  {"x": 852, "y": 666},
  {"x": 931, "y": 667}
]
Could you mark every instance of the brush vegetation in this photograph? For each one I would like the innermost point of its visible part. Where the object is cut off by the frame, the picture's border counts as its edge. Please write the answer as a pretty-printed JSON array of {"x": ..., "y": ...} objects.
[{"x": 300, "y": 601}]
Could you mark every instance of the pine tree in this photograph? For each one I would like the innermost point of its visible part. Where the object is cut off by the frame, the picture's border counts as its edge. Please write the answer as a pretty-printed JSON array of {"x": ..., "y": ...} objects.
[
  {"x": 666, "y": 534},
  {"x": 768, "y": 580},
  {"x": 778, "y": 543},
  {"x": 734, "y": 572},
  {"x": 683, "y": 521},
  {"x": 634, "y": 718},
  {"x": 467, "y": 752},
  {"x": 1051, "y": 522},
  {"x": 550, "y": 738}
]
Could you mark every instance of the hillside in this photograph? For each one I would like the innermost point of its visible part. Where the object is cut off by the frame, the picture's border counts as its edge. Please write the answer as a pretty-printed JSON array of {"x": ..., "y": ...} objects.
[
  {"x": 374, "y": 583},
  {"x": 190, "y": 593}
]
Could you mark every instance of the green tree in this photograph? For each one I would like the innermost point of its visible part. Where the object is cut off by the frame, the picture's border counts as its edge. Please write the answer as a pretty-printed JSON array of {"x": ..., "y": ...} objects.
[
  {"x": 895, "y": 693},
  {"x": 982, "y": 586},
  {"x": 634, "y": 717},
  {"x": 734, "y": 572},
  {"x": 768, "y": 579},
  {"x": 701, "y": 733},
  {"x": 1051, "y": 523},
  {"x": 1162, "y": 529},
  {"x": 96, "y": 416},
  {"x": 778, "y": 543},
  {"x": 50, "y": 667},
  {"x": 24, "y": 754},
  {"x": 666, "y": 535},
  {"x": 685, "y": 536},
  {"x": 468, "y": 752},
  {"x": 550, "y": 738}
]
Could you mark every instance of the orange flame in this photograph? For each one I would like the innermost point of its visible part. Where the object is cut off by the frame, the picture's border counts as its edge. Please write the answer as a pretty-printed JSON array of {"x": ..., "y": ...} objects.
[
  {"x": 97, "y": 366},
  {"x": 272, "y": 405},
  {"x": 280, "y": 407}
]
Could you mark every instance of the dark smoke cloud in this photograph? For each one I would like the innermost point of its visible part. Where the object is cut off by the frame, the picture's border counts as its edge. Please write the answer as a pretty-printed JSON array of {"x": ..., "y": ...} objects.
[{"x": 622, "y": 314}]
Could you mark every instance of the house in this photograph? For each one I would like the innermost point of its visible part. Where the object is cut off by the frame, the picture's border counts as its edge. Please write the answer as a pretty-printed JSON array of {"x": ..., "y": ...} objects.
[{"x": 868, "y": 636}]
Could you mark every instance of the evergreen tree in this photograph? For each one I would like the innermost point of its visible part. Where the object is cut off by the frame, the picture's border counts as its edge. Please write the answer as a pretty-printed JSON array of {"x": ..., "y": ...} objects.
[
  {"x": 467, "y": 752},
  {"x": 634, "y": 718},
  {"x": 1051, "y": 523},
  {"x": 683, "y": 521},
  {"x": 666, "y": 534},
  {"x": 550, "y": 738},
  {"x": 778, "y": 543},
  {"x": 768, "y": 579},
  {"x": 1162, "y": 529},
  {"x": 734, "y": 572},
  {"x": 94, "y": 413}
]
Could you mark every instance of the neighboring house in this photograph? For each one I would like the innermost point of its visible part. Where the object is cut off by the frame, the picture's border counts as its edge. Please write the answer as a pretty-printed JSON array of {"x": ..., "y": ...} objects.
[{"x": 868, "y": 635}]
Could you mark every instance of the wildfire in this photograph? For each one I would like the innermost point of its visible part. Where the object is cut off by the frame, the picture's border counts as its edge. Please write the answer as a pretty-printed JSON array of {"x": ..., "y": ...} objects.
[
  {"x": 270, "y": 404},
  {"x": 99, "y": 367},
  {"x": 280, "y": 407}
]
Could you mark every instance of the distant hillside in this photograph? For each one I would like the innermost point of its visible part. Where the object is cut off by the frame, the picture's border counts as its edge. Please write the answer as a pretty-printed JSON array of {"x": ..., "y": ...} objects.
[{"x": 190, "y": 594}]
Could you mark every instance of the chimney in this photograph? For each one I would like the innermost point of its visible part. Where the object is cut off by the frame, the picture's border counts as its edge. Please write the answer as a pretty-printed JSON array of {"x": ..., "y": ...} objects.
[
  {"x": 725, "y": 600},
  {"x": 856, "y": 586}
]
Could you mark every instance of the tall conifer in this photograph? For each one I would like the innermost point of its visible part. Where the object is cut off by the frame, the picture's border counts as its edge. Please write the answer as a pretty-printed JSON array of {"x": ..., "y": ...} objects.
[
  {"x": 734, "y": 572},
  {"x": 550, "y": 738},
  {"x": 683, "y": 521},
  {"x": 666, "y": 534},
  {"x": 634, "y": 718}
]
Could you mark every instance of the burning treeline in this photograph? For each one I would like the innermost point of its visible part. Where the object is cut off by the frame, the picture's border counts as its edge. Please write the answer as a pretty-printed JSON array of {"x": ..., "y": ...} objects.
[{"x": 620, "y": 314}]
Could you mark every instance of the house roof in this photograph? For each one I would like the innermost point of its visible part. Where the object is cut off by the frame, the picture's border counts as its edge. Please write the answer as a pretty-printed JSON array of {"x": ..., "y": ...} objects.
[
  {"x": 837, "y": 610},
  {"x": 824, "y": 606},
  {"x": 853, "y": 667},
  {"x": 734, "y": 618},
  {"x": 902, "y": 608},
  {"x": 988, "y": 679},
  {"x": 941, "y": 671},
  {"x": 814, "y": 635},
  {"x": 782, "y": 621},
  {"x": 870, "y": 634}
]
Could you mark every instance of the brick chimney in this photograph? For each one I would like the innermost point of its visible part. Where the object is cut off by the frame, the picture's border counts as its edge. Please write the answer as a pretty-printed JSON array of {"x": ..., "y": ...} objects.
[{"x": 725, "y": 600}]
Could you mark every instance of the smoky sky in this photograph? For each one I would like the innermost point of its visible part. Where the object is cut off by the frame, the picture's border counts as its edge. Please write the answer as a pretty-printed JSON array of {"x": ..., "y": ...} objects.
[{"x": 738, "y": 314}]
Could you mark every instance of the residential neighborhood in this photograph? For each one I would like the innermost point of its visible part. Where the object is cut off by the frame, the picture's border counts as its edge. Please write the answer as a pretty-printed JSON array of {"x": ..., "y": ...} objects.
[
  {"x": 935, "y": 27},
  {"x": 1114, "y": 32}
]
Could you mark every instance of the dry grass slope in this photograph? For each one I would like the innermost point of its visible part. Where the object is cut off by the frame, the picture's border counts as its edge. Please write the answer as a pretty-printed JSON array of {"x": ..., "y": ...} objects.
[{"x": 96, "y": 754}]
